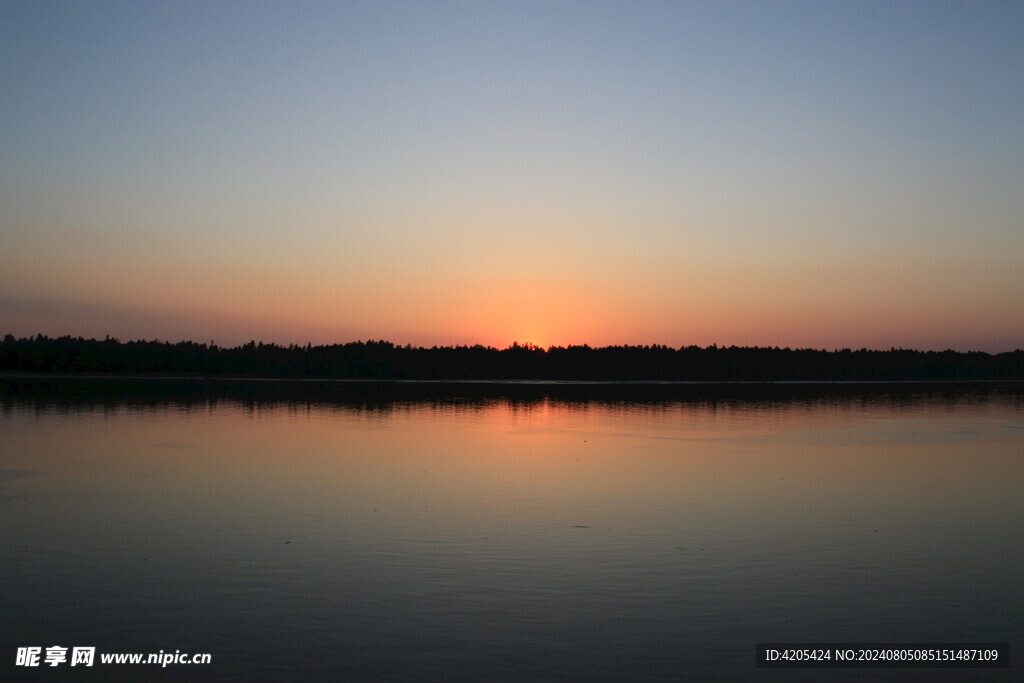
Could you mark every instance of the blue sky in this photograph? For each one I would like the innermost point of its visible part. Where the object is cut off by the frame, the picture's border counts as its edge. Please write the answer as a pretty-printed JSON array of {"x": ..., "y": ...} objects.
[{"x": 806, "y": 174}]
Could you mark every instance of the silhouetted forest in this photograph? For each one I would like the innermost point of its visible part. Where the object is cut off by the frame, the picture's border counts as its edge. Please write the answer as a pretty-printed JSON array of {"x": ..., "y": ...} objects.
[{"x": 384, "y": 360}]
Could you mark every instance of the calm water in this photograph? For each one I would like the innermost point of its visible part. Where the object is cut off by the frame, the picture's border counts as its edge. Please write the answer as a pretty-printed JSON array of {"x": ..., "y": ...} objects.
[{"x": 530, "y": 537}]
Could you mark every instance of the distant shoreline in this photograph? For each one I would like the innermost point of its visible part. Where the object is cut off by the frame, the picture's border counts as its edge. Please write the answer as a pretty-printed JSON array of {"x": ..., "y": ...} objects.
[{"x": 384, "y": 361}]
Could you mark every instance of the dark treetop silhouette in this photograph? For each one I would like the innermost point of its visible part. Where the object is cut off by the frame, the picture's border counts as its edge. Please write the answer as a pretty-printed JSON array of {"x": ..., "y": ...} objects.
[{"x": 384, "y": 360}]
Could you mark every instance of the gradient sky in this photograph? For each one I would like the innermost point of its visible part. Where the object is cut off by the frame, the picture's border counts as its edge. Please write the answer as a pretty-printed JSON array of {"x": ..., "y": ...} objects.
[{"x": 812, "y": 174}]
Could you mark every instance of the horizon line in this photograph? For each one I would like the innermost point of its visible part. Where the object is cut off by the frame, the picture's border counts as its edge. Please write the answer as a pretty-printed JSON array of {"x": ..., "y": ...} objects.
[{"x": 515, "y": 344}]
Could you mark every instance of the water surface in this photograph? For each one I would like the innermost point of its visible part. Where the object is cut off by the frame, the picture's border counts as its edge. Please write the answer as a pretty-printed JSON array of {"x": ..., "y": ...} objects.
[{"x": 523, "y": 535}]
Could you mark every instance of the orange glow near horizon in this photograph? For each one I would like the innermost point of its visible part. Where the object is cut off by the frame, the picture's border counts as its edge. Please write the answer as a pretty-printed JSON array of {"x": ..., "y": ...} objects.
[{"x": 582, "y": 294}]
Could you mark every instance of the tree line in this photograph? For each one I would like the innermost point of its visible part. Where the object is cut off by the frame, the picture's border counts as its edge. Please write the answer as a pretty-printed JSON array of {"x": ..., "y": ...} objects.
[{"x": 379, "y": 359}]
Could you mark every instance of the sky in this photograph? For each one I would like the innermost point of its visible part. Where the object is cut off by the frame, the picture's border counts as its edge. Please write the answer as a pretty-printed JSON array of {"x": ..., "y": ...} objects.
[{"x": 803, "y": 174}]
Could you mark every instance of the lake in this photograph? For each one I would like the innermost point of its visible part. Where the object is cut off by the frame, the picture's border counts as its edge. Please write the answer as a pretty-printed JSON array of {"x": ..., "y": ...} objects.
[{"x": 514, "y": 532}]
